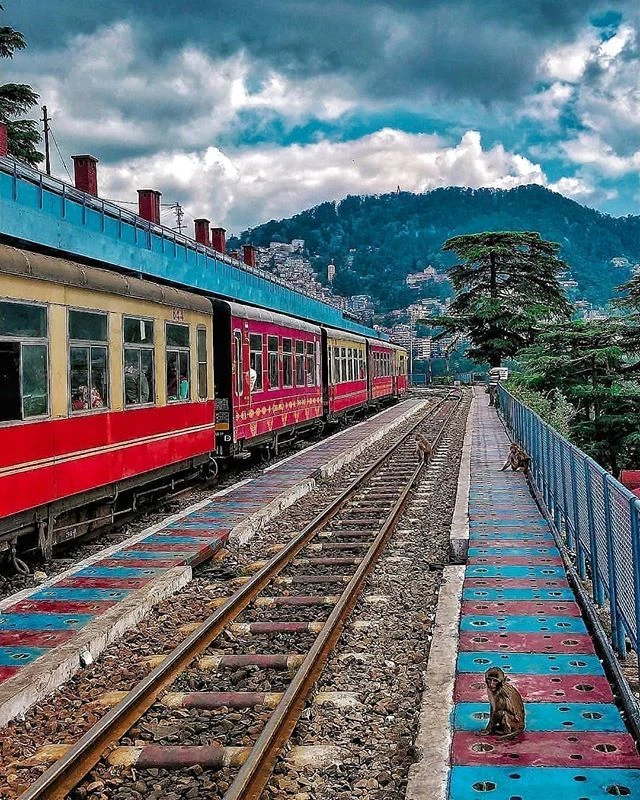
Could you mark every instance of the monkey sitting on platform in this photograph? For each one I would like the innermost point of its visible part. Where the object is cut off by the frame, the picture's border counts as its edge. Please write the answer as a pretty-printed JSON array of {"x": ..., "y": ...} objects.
[
  {"x": 506, "y": 718},
  {"x": 517, "y": 459},
  {"x": 424, "y": 448}
]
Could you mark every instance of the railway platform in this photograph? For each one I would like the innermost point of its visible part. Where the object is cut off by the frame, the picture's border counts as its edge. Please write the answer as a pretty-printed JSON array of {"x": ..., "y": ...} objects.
[
  {"x": 48, "y": 632},
  {"x": 511, "y": 606}
]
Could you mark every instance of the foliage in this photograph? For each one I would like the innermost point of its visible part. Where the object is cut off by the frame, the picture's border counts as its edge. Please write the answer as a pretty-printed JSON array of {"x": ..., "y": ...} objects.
[
  {"x": 553, "y": 407},
  {"x": 506, "y": 287},
  {"x": 16, "y": 99},
  {"x": 591, "y": 363},
  {"x": 380, "y": 239}
]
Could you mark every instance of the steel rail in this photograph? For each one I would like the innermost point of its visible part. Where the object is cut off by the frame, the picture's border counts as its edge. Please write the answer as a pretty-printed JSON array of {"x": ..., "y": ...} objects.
[
  {"x": 255, "y": 772},
  {"x": 64, "y": 775}
]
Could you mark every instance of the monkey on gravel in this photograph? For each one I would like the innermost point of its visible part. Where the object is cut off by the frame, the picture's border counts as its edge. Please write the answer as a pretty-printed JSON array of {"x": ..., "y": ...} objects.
[
  {"x": 517, "y": 459},
  {"x": 506, "y": 718},
  {"x": 424, "y": 448}
]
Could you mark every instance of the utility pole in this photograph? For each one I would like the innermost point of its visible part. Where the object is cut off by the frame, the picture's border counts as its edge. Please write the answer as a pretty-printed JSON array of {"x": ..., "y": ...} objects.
[
  {"x": 47, "y": 158},
  {"x": 179, "y": 217}
]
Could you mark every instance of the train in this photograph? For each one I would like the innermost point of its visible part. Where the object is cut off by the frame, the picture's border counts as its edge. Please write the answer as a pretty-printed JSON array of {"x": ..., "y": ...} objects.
[{"x": 114, "y": 387}]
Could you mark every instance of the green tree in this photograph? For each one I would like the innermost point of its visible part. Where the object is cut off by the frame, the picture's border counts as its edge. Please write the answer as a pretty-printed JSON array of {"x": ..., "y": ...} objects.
[
  {"x": 15, "y": 100},
  {"x": 592, "y": 363},
  {"x": 506, "y": 288}
]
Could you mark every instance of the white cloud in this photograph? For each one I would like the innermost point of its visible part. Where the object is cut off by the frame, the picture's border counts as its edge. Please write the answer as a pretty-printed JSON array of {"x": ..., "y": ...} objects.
[{"x": 249, "y": 186}]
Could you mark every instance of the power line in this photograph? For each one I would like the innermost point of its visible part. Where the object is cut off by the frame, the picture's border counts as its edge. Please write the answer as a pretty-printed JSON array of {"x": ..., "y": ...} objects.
[{"x": 60, "y": 154}]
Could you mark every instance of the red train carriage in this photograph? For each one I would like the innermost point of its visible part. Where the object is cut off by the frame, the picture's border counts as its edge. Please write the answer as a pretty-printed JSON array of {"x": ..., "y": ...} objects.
[
  {"x": 344, "y": 373},
  {"x": 105, "y": 380},
  {"x": 382, "y": 358},
  {"x": 400, "y": 380},
  {"x": 267, "y": 376}
]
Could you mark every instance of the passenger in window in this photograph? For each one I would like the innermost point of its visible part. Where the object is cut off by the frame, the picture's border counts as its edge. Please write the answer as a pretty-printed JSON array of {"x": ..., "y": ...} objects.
[
  {"x": 80, "y": 399},
  {"x": 253, "y": 377},
  {"x": 136, "y": 385},
  {"x": 184, "y": 388}
]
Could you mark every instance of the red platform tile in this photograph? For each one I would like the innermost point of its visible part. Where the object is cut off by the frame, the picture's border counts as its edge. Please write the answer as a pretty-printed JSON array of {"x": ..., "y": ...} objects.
[
  {"x": 8, "y": 672},
  {"x": 25, "y": 638},
  {"x": 547, "y": 749},
  {"x": 526, "y": 642},
  {"x": 469, "y": 688},
  {"x": 159, "y": 547},
  {"x": 94, "y": 607},
  {"x": 556, "y": 608},
  {"x": 141, "y": 563}
]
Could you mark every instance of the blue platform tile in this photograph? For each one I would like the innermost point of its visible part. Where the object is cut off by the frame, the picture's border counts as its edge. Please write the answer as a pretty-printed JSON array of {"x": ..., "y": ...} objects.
[
  {"x": 119, "y": 572},
  {"x": 548, "y": 783},
  {"x": 150, "y": 555},
  {"x": 186, "y": 540},
  {"x": 547, "y": 717},
  {"x": 513, "y": 571},
  {"x": 540, "y": 623},
  {"x": 508, "y": 552},
  {"x": 19, "y": 656},
  {"x": 530, "y": 663},
  {"x": 44, "y": 622},
  {"x": 558, "y": 593}
]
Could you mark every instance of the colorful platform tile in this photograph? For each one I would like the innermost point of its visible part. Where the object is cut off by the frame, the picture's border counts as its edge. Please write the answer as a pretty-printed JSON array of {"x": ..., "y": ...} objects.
[
  {"x": 49, "y": 617},
  {"x": 519, "y": 613}
]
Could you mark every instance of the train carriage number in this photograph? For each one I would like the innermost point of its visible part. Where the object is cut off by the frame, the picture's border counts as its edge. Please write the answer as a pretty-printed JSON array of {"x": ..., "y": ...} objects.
[{"x": 177, "y": 314}]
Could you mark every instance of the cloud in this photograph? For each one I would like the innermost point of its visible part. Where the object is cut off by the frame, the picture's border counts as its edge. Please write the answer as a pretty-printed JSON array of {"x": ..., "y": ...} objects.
[{"x": 244, "y": 187}]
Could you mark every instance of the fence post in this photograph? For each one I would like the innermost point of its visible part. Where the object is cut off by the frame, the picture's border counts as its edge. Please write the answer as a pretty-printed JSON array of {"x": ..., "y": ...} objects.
[
  {"x": 617, "y": 627},
  {"x": 582, "y": 572},
  {"x": 635, "y": 549},
  {"x": 598, "y": 594},
  {"x": 565, "y": 510}
]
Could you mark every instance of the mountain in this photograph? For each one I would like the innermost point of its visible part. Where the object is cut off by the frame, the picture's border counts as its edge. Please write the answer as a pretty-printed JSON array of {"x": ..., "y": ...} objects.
[{"x": 375, "y": 241}]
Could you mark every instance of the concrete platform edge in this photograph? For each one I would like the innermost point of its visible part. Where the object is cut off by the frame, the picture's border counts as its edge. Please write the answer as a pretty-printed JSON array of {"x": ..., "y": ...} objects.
[
  {"x": 39, "y": 679},
  {"x": 459, "y": 535},
  {"x": 429, "y": 777}
]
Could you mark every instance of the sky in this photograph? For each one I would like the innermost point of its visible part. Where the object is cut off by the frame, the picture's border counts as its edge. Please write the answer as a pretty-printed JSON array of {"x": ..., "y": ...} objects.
[{"x": 251, "y": 110}]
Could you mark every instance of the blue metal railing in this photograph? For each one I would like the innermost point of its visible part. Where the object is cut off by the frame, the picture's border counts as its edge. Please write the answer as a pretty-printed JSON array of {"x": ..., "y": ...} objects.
[{"x": 597, "y": 516}]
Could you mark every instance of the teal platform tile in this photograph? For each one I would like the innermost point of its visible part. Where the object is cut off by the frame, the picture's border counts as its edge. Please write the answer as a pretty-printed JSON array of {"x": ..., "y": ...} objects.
[
  {"x": 547, "y": 717},
  {"x": 530, "y": 663},
  {"x": 547, "y": 783}
]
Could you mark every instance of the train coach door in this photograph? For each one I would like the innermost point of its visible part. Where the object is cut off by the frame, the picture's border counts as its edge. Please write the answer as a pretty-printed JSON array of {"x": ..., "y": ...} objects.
[
  {"x": 326, "y": 373},
  {"x": 223, "y": 376}
]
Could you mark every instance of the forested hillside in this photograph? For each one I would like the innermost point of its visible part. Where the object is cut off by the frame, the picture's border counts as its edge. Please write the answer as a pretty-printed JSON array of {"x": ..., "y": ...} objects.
[{"x": 375, "y": 241}]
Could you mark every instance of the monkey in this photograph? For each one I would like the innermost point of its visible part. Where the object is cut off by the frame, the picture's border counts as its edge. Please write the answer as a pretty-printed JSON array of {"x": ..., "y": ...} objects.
[
  {"x": 506, "y": 718},
  {"x": 517, "y": 459},
  {"x": 424, "y": 449}
]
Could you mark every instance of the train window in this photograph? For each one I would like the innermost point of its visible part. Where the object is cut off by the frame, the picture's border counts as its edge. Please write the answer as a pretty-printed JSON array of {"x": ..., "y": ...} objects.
[
  {"x": 255, "y": 361},
  {"x": 178, "y": 361},
  {"x": 139, "y": 378},
  {"x": 311, "y": 364},
  {"x": 287, "y": 363},
  {"x": 237, "y": 356},
  {"x": 88, "y": 360},
  {"x": 362, "y": 369},
  {"x": 24, "y": 361},
  {"x": 343, "y": 364},
  {"x": 201, "y": 341},
  {"x": 300, "y": 363},
  {"x": 336, "y": 365},
  {"x": 349, "y": 363},
  {"x": 272, "y": 365}
]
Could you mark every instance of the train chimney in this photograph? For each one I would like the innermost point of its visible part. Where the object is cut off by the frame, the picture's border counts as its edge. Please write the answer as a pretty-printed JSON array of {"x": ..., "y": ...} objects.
[
  {"x": 4, "y": 139},
  {"x": 149, "y": 205},
  {"x": 219, "y": 239},
  {"x": 202, "y": 231},
  {"x": 249, "y": 255},
  {"x": 86, "y": 173}
]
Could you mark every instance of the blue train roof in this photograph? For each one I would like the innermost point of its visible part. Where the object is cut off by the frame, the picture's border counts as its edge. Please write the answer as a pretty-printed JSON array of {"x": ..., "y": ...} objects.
[{"x": 41, "y": 211}]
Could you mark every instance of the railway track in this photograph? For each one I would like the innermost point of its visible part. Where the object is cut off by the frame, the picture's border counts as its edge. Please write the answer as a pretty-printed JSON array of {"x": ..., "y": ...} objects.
[{"x": 318, "y": 576}]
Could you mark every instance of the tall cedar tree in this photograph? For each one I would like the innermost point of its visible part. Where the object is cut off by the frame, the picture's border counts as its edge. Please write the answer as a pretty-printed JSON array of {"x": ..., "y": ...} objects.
[
  {"x": 16, "y": 99},
  {"x": 593, "y": 364},
  {"x": 506, "y": 288}
]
